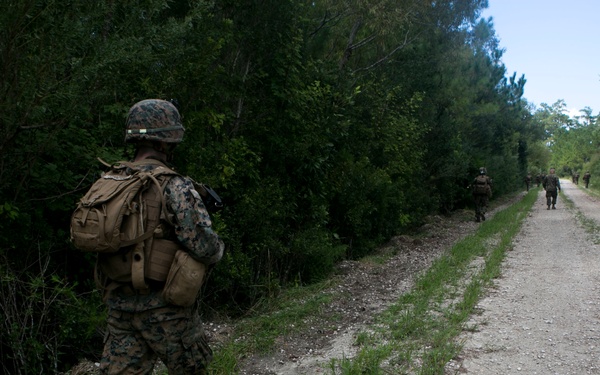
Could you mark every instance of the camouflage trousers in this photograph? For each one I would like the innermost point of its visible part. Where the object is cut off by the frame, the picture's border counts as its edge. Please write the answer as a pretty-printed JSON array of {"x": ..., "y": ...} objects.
[
  {"x": 481, "y": 203},
  {"x": 551, "y": 197},
  {"x": 135, "y": 341}
]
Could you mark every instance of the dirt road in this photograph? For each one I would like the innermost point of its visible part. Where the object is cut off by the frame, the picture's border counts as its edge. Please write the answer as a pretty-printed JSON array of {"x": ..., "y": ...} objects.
[{"x": 543, "y": 316}]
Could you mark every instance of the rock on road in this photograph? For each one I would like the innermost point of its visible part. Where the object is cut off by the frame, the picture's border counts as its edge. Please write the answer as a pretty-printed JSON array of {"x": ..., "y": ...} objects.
[{"x": 543, "y": 314}]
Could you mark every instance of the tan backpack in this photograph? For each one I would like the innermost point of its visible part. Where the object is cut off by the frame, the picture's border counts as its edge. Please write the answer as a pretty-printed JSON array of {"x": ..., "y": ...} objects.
[
  {"x": 481, "y": 186},
  {"x": 119, "y": 218},
  {"x": 111, "y": 214}
]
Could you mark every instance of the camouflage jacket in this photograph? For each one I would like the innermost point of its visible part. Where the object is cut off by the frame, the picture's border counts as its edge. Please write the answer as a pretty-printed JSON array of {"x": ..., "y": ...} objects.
[
  {"x": 192, "y": 229},
  {"x": 551, "y": 183}
]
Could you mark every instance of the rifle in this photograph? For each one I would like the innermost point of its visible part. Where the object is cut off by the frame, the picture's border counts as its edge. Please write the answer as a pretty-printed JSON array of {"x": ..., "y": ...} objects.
[{"x": 210, "y": 198}]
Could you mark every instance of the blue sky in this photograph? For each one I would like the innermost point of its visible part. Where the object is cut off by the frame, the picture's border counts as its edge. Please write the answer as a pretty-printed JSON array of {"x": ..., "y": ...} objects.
[{"x": 555, "y": 44}]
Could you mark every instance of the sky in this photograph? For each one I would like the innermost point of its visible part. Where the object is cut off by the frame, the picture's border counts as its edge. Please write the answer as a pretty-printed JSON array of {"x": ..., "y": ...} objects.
[{"x": 556, "y": 45}]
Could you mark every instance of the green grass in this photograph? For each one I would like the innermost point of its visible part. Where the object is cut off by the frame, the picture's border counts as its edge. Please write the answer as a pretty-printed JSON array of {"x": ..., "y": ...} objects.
[{"x": 418, "y": 333}]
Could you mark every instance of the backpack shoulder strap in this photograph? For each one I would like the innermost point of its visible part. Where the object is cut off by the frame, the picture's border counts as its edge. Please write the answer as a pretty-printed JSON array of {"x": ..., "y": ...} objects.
[{"x": 153, "y": 174}]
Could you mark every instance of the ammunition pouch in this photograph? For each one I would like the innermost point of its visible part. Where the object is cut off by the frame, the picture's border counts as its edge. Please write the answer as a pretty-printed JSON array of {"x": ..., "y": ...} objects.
[{"x": 184, "y": 281}]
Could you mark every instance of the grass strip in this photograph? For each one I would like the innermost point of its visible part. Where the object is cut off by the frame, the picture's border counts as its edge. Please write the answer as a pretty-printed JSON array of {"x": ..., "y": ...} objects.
[{"x": 418, "y": 333}]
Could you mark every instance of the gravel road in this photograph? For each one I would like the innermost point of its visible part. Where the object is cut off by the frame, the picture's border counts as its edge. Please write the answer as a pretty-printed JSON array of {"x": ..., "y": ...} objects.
[{"x": 542, "y": 316}]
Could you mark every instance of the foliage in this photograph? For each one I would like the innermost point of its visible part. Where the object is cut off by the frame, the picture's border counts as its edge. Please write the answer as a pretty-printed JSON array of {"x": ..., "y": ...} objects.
[
  {"x": 43, "y": 320},
  {"x": 573, "y": 142}
]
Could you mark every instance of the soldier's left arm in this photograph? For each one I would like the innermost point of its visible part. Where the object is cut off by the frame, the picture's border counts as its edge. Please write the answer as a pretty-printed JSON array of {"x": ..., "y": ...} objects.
[{"x": 193, "y": 225}]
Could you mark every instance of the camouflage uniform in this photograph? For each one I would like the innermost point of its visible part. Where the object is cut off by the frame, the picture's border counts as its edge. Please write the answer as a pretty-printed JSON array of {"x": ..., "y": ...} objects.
[
  {"x": 142, "y": 326},
  {"x": 481, "y": 198},
  {"x": 552, "y": 186},
  {"x": 137, "y": 339},
  {"x": 527, "y": 180},
  {"x": 586, "y": 179}
]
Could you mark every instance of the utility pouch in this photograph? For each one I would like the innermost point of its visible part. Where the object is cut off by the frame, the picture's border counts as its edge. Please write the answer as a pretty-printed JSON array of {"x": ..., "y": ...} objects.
[
  {"x": 160, "y": 258},
  {"x": 184, "y": 281},
  {"x": 116, "y": 266}
]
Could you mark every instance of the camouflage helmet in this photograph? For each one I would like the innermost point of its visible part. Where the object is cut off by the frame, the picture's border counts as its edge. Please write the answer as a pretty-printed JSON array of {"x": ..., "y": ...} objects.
[{"x": 154, "y": 120}]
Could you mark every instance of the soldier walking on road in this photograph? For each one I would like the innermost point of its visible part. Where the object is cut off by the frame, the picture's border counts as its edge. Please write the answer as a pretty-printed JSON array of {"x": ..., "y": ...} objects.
[
  {"x": 586, "y": 178},
  {"x": 527, "y": 180},
  {"x": 482, "y": 191},
  {"x": 552, "y": 186}
]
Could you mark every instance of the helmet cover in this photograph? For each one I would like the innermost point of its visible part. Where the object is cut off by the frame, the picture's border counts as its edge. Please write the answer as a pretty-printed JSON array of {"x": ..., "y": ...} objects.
[{"x": 154, "y": 120}]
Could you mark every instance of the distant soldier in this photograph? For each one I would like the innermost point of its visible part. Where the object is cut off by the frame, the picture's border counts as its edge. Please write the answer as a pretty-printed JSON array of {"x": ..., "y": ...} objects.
[
  {"x": 586, "y": 178},
  {"x": 576, "y": 178},
  {"x": 482, "y": 191},
  {"x": 552, "y": 186},
  {"x": 538, "y": 179},
  {"x": 573, "y": 177},
  {"x": 527, "y": 180}
]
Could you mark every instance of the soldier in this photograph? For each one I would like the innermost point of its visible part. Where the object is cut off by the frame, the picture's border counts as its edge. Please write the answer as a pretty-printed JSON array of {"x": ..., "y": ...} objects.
[
  {"x": 142, "y": 325},
  {"x": 552, "y": 186},
  {"x": 586, "y": 178},
  {"x": 482, "y": 191},
  {"x": 527, "y": 180},
  {"x": 538, "y": 179},
  {"x": 576, "y": 178}
]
